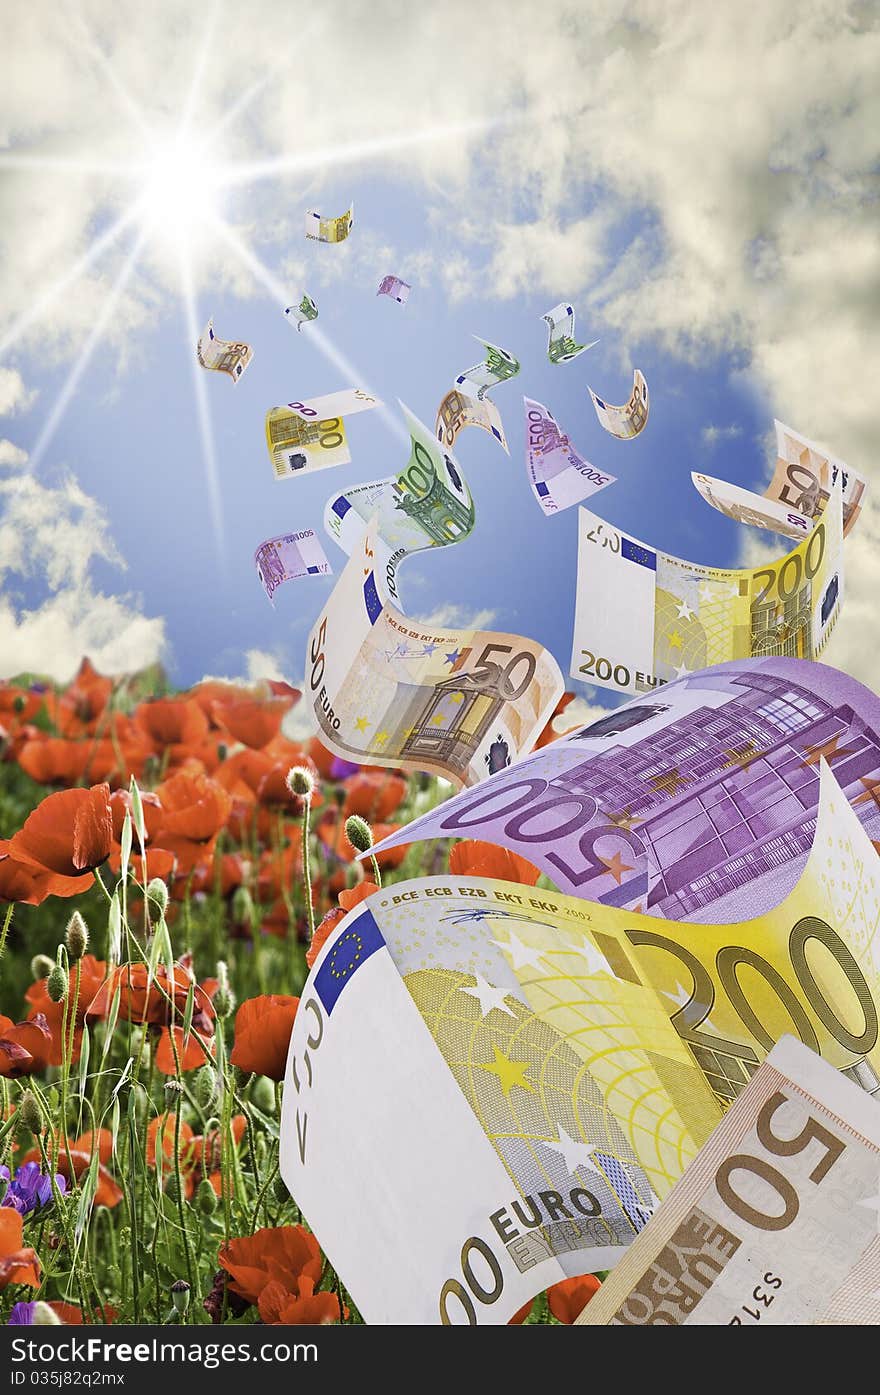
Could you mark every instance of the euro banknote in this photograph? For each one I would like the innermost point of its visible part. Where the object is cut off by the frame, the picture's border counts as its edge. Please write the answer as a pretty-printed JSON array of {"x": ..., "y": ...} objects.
[
  {"x": 561, "y": 346},
  {"x": 696, "y": 802},
  {"x": 346, "y": 403},
  {"x": 497, "y": 367},
  {"x": 629, "y": 420},
  {"x": 320, "y": 229},
  {"x": 392, "y": 691},
  {"x": 299, "y": 447},
  {"x": 755, "y": 509},
  {"x": 457, "y": 411},
  {"x": 643, "y": 616},
  {"x": 806, "y": 473},
  {"x": 776, "y": 1222},
  {"x": 396, "y": 289},
  {"x": 428, "y": 504},
  {"x": 558, "y": 473},
  {"x": 222, "y": 355},
  {"x": 288, "y": 557},
  {"x": 302, "y": 313},
  {"x": 488, "y": 1165}
]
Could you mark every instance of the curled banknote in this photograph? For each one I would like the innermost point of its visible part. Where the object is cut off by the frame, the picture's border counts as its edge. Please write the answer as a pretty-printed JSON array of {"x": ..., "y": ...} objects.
[
  {"x": 302, "y": 313},
  {"x": 391, "y": 691},
  {"x": 754, "y": 509},
  {"x": 395, "y": 288},
  {"x": 695, "y": 802},
  {"x": 329, "y": 229},
  {"x": 457, "y": 411},
  {"x": 806, "y": 473},
  {"x": 643, "y": 616},
  {"x": 288, "y": 557},
  {"x": 428, "y": 504},
  {"x": 629, "y": 420},
  {"x": 298, "y": 446},
  {"x": 497, "y": 367},
  {"x": 558, "y": 474},
  {"x": 775, "y": 1223},
  {"x": 222, "y": 355},
  {"x": 346, "y": 403},
  {"x": 561, "y": 346}
]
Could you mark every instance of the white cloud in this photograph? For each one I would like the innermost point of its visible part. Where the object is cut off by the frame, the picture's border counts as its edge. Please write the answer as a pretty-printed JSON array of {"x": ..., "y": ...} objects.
[
  {"x": 11, "y": 454},
  {"x": 711, "y": 435},
  {"x": 14, "y": 396},
  {"x": 457, "y": 617}
]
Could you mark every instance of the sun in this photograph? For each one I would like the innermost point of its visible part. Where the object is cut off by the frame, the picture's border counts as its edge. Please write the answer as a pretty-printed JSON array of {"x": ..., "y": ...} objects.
[{"x": 182, "y": 185}]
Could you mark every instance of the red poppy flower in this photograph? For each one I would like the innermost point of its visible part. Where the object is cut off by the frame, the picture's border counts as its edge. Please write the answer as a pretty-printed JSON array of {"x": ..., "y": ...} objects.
[
  {"x": 92, "y": 972},
  {"x": 172, "y": 724},
  {"x": 78, "y": 709},
  {"x": 121, "y": 804},
  {"x": 275, "y": 793},
  {"x": 279, "y": 867},
  {"x": 199, "y": 1155},
  {"x": 356, "y": 894},
  {"x": 25, "y": 1047},
  {"x": 212, "y": 690},
  {"x": 18, "y": 705},
  {"x": 521, "y": 1314},
  {"x": 68, "y": 833},
  {"x": 190, "y": 1053},
  {"x": 18, "y": 1263},
  {"x": 475, "y": 859},
  {"x": 262, "y": 1034},
  {"x": 253, "y": 722},
  {"x": 146, "y": 1000},
  {"x": 29, "y": 885},
  {"x": 194, "y": 807},
  {"x": 303, "y": 1306},
  {"x": 50, "y": 760},
  {"x": 71, "y": 1314},
  {"x": 374, "y": 796},
  {"x": 323, "y": 931},
  {"x": 285, "y": 1253},
  {"x": 240, "y": 774},
  {"x": 569, "y": 1297}
]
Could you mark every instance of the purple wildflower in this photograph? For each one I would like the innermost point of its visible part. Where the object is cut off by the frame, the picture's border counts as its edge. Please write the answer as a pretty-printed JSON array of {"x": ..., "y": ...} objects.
[
  {"x": 22, "y": 1315},
  {"x": 29, "y": 1189}
]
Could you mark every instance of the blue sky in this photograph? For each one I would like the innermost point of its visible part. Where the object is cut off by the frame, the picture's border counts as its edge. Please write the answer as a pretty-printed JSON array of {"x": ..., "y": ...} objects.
[{"x": 627, "y": 252}]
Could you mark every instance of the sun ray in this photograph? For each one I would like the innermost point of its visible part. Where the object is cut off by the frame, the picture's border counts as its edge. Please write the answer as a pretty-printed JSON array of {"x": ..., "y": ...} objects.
[
  {"x": 65, "y": 164},
  {"x": 206, "y": 429},
  {"x": 85, "y": 352},
  {"x": 322, "y": 343},
  {"x": 192, "y": 95},
  {"x": 123, "y": 96}
]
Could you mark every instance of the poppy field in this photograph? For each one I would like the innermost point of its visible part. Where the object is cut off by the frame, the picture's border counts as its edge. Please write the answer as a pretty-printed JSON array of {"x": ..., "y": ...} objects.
[{"x": 170, "y": 865}]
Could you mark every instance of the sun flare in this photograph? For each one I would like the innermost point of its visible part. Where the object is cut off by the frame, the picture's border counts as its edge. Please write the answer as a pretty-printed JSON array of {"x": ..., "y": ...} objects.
[{"x": 181, "y": 184}]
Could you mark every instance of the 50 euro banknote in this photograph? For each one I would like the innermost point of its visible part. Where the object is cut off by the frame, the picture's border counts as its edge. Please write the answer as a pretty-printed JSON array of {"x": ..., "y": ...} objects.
[{"x": 644, "y": 617}]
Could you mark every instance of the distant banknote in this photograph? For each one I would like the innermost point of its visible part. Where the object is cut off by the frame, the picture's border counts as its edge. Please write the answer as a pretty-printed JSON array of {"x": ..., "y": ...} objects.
[
  {"x": 643, "y": 616},
  {"x": 395, "y": 288},
  {"x": 695, "y": 802},
  {"x": 561, "y": 346},
  {"x": 289, "y": 557},
  {"x": 391, "y": 691},
  {"x": 497, "y": 367},
  {"x": 806, "y": 473},
  {"x": 418, "y": 1060},
  {"x": 754, "y": 509},
  {"x": 222, "y": 355},
  {"x": 329, "y": 229},
  {"x": 346, "y": 403},
  {"x": 298, "y": 446},
  {"x": 558, "y": 474},
  {"x": 428, "y": 504},
  {"x": 629, "y": 420},
  {"x": 302, "y": 313},
  {"x": 457, "y": 411},
  {"x": 776, "y": 1222}
]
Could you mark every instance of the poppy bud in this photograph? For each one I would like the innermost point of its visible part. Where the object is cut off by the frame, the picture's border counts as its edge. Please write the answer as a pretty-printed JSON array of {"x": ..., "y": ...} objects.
[
  {"x": 173, "y": 1091},
  {"x": 224, "y": 1002},
  {"x": 44, "y": 1316},
  {"x": 180, "y": 1295},
  {"x": 263, "y": 1095},
  {"x": 29, "y": 1112},
  {"x": 56, "y": 984},
  {"x": 300, "y": 781},
  {"x": 205, "y": 1086},
  {"x": 157, "y": 892},
  {"x": 206, "y": 1198},
  {"x": 242, "y": 906},
  {"x": 76, "y": 936},
  {"x": 41, "y": 965},
  {"x": 359, "y": 833}
]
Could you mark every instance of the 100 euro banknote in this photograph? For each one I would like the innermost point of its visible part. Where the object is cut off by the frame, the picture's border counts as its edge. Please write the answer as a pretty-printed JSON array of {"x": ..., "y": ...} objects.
[
  {"x": 644, "y": 617},
  {"x": 561, "y": 345},
  {"x": 497, "y": 367}
]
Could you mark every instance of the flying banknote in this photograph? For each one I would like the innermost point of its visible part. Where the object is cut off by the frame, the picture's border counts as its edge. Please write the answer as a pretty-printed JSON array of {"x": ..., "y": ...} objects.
[
  {"x": 558, "y": 474},
  {"x": 396, "y": 289},
  {"x": 302, "y": 313},
  {"x": 329, "y": 229},
  {"x": 497, "y": 367},
  {"x": 561, "y": 346},
  {"x": 289, "y": 557},
  {"x": 457, "y": 411},
  {"x": 627, "y": 421},
  {"x": 644, "y": 617},
  {"x": 222, "y": 355},
  {"x": 345, "y": 403},
  {"x": 298, "y": 445},
  {"x": 755, "y": 509}
]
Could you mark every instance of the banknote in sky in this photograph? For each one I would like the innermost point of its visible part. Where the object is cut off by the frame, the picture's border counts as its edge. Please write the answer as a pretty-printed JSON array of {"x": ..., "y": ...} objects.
[
  {"x": 346, "y": 403},
  {"x": 222, "y": 355},
  {"x": 391, "y": 691},
  {"x": 629, "y": 420},
  {"x": 497, "y": 367},
  {"x": 395, "y": 288},
  {"x": 329, "y": 229},
  {"x": 302, "y": 313},
  {"x": 775, "y": 1223},
  {"x": 561, "y": 346},
  {"x": 805, "y": 475},
  {"x": 558, "y": 474},
  {"x": 697, "y": 801},
  {"x": 457, "y": 411},
  {"x": 643, "y": 616},
  {"x": 298, "y": 446},
  {"x": 755, "y": 509},
  {"x": 289, "y": 557},
  {"x": 428, "y": 504}
]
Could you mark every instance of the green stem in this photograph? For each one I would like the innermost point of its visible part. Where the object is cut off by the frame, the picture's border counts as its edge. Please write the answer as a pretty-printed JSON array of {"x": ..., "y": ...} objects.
[
  {"x": 7, "y": 921},
  {"x": 307, "y": 877}
]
